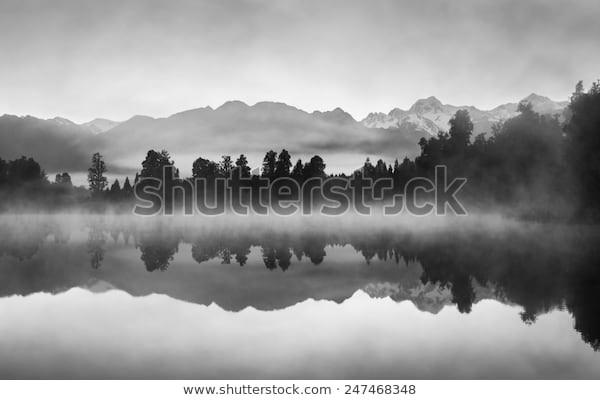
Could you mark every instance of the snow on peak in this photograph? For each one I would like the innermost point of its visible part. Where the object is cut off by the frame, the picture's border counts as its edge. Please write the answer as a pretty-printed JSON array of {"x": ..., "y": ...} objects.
[
  {"x": 430, "y": 104},
  {"x": 430, "y": 116}
]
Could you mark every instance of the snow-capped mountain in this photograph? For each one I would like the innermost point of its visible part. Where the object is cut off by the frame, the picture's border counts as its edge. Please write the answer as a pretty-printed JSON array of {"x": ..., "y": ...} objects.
[
  {"x": 430, "y": 115},
  {"x": 429, "y": 297}
]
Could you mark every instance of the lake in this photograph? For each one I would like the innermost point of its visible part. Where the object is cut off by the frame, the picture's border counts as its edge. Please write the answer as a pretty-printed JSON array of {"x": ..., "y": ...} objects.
[{"x": 114, "y": 296}]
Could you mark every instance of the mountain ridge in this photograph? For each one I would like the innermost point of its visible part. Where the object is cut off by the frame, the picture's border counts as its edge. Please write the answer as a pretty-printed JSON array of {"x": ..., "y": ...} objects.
[
  {"x": 236, "y": 127},
  {"x": 100, "y": 125},
  {"x": 431, "y": 115}
]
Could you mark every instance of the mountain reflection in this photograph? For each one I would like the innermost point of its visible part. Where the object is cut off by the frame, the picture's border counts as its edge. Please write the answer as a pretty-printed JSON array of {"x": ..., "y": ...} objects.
[{"x": 537, "y": 267}]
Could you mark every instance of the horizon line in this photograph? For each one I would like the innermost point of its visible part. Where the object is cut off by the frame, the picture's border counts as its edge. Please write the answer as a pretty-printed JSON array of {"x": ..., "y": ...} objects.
[{"x": 211, "y": 108}]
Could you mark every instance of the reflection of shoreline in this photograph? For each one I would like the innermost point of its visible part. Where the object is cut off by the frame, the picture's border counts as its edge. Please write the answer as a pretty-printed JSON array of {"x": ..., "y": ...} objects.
[
  {"x": 115, "y": 335},
  {"x": 539, "y": 267}
]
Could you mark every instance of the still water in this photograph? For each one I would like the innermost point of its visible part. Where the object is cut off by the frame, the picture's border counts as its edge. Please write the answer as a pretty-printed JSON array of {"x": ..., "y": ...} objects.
[{"x": 125, "y": 297}]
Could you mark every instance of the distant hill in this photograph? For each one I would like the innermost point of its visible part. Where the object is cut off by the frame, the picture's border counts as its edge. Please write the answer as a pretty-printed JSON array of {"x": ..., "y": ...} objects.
[
  {"x": 235, "y": 127},
  {"x": 57, "y": 144},
  {"x": 100, "y": 125}
]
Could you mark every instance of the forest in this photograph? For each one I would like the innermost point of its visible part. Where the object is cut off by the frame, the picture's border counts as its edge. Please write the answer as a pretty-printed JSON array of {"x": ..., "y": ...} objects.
[{"x": 529, "y": 166}]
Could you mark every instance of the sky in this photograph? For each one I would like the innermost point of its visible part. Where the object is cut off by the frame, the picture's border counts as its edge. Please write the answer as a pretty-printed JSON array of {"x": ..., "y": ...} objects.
[{"x": 114, "y": 59}]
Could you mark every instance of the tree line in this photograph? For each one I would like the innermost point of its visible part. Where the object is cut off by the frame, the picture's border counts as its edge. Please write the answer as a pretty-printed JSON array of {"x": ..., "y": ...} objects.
[{"x": 532, "y": 164}]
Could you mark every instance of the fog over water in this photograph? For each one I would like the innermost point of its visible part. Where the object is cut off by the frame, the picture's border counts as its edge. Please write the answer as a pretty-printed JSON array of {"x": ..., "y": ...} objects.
[{"x": 115, "y": 296}]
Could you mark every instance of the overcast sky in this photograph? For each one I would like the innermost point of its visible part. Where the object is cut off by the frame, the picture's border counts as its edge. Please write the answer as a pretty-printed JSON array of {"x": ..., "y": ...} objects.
[{"x": 84, "y": 59}]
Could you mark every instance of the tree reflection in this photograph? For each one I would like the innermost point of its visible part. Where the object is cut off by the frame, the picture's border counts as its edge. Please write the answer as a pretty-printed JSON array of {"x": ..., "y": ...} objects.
[
  {"x": 313, "y": 247},
  {"x": 537, "y": 270},
  {"x": 284, "y": 257},
  {"x": 207, "y": 247},
  {"x": 24, "y": 241},
  {"x": 583, "y": 303},
  {"x": 537, "y": 275},
  {"x": 95, "y": 245},
  {"x": 268, "y": 256},
  {"x": 158, "y": 248}
]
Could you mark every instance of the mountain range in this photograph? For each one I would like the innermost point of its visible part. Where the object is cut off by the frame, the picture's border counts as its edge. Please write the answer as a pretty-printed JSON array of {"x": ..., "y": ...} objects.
[
  {"x": 235, "y": 127},
  {"x": 426, "y": 115},
  {"x": 100, "y": 125},
  {"x": 430, "y": 115}
]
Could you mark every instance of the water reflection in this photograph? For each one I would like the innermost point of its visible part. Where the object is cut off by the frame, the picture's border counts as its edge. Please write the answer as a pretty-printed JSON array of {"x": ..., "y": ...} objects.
[
  {"x": 95, "y": 245},
  {"x": 537, "y": 267},
  {"x": 158, "y": 247}
]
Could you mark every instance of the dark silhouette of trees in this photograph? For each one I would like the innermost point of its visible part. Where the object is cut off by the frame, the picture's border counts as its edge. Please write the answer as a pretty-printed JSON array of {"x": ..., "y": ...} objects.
[
  {"x": 315, "y": 168},
  {"x": 520, "y": 165},
  {"x": 269, "y": 165},
  {"x": 154, "y": 164},
  {"x": 403, "y": 172},
  {"x": 3, "y": 172},
  {"x": 24, "y": 170},
  {"x": 283, "y": 164},
  {"x": 120, "y": 196},
  {"x": 203, "y": 168},
  {"x": 226, "y": 166},
  {"x": 242, "y": 165},
  {"x": 24, "y": 186},
  {"x": 277, "y": 166},
  {"x": 583, "y": 148},
  {"x": 127, "y": 188},
  {"x": 432, "y": 153},
  {"x": 115, "y": 191},
  {"x": 298, "y": 171},
  {"x": 381, "y": 169},
  {"x": 461, "y": 129},
  {"x": 63, "y": 179},
  {"x": 210, "y": 170},
  {"x": 377, "y": 171},
  {"x": 446, "y": 148},
  {"x": 368, "y": 170},
  {"x": 96, "y": 179}
]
